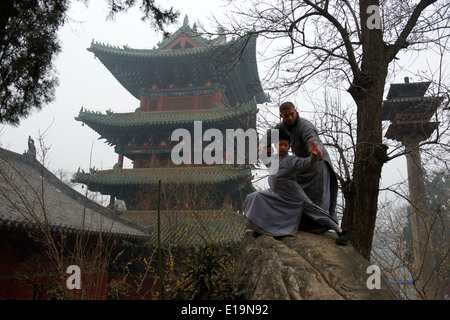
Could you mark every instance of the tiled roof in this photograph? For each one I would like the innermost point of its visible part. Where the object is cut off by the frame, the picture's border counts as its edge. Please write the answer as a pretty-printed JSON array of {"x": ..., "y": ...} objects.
[
  {"x": 218, "y": 114},
  {"x": 30, "y": 195},
  {"x": 160, "y": 51},
  {"x": 182, "y": 228},
  {"x": 418, "y": 89},
  {"x": 231, "y": 64},
  {"x": 420, "y": 105},
  {"x": 187, "y": 30},
  {"x": 148, "y": 176},
  {"x": 399, "y": 131}
]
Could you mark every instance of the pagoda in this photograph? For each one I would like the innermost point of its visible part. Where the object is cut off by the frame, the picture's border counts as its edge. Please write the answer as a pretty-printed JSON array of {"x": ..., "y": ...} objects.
[
  {"x": 409, "y": 112},
  {"x": 186, "y": 79}
]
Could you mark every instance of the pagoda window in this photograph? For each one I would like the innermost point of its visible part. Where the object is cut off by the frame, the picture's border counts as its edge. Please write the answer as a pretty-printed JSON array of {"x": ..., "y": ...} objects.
[
  {"x": 145, "y": 162},
  {"x": 179, "y": 103},
  {"x": 148, "y": 104},
  {"x": 165, "y": 160},
  {"x": 152, "y": 105},
  {"x": 207, "y": 102},
  {"x": 137, "y": 163}
]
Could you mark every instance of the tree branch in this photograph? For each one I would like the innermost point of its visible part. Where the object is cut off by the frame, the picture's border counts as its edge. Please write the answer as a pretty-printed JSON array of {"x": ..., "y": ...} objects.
[
  {"x": 344, "y": 34},
  {"x": 401, "y": 42}
]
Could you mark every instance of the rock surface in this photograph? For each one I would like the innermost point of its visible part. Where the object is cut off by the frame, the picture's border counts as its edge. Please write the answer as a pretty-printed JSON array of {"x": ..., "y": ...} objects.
[{"x": 304, "y": 267}]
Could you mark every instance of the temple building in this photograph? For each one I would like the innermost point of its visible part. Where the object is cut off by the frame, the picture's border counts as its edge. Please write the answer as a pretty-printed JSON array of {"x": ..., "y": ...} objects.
[
  {"x": 186, "y": 82},
  {"x": 46, "y": 226}
]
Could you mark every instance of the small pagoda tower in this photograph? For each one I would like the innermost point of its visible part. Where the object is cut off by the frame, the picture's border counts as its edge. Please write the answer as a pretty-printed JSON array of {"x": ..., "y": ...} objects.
[
  {"x": 186, "y": 80},
  {"x": 410, "y": 112}
]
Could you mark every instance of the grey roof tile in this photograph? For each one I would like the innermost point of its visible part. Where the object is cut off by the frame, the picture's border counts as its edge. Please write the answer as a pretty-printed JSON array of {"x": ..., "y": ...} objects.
[{"x": 31, "y": 196}]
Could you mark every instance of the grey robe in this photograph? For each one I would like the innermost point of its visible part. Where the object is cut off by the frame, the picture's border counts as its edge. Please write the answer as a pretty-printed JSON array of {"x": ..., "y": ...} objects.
[
  {"x": 302, "y": 132},
  {"x": 278, "y": 210}
]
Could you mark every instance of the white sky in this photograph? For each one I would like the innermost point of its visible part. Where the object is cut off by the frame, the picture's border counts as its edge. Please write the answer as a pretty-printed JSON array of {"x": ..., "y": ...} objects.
[{"x": 84, "y": 81}]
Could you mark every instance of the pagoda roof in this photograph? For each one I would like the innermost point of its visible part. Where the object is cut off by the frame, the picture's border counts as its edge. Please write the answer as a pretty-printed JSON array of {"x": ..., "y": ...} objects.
[
  {"x": 408, "y": 89},
  {"x": 184, "y": 58},
  {"x": 219, "y": 114},
  {"x": 102, "y": 179},
  {"x": 399, "y": 131},
  {"x": 417, "y": 104},
  {"x": 191, "y": 227}
]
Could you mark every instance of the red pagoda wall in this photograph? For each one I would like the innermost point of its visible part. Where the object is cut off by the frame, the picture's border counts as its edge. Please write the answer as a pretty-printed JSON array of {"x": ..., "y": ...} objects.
[{"x": 191, "y": 102}]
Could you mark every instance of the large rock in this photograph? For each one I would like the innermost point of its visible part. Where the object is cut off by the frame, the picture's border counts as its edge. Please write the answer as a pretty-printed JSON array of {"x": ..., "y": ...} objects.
[{"x": 304, "y": 267}]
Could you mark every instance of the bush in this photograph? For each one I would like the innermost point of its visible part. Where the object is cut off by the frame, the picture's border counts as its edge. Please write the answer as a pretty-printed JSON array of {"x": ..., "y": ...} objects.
[{"x": 205, "y": 276}]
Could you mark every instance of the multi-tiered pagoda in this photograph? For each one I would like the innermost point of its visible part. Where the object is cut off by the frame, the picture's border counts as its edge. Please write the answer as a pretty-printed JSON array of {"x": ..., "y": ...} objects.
[
  {"x": 410, "y": 111},
  {"x": 187, "y": 78}
]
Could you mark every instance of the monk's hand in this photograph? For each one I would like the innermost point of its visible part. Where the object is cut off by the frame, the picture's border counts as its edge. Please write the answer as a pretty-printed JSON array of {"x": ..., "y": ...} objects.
[{"x": 315, "y": 150}]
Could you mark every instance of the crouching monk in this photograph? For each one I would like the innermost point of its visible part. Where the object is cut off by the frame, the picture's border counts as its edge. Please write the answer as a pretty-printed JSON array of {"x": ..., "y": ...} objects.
[{"x": 279, "y": 210}]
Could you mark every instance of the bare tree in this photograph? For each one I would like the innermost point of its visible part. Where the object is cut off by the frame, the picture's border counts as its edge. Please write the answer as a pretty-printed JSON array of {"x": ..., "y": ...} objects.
[
  {"x": 337, "y": 127},
  {"x": 352, "y": 44}
]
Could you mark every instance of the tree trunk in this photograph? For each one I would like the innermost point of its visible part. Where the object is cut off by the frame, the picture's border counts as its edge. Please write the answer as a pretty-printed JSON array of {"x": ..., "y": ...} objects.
[
  {"x": 362, "y": 205},
  {"x": 367, "y": 91}
]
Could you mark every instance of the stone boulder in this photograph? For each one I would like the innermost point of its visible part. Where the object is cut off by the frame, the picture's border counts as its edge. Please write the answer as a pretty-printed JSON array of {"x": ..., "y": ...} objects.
[{"x": 304, "y": 267}]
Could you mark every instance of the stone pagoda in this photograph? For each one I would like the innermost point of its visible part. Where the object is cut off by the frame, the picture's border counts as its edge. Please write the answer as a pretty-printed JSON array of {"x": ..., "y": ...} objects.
[
  {"x": 409, "y": 112},
  {"x": 186, "y": 80}
]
